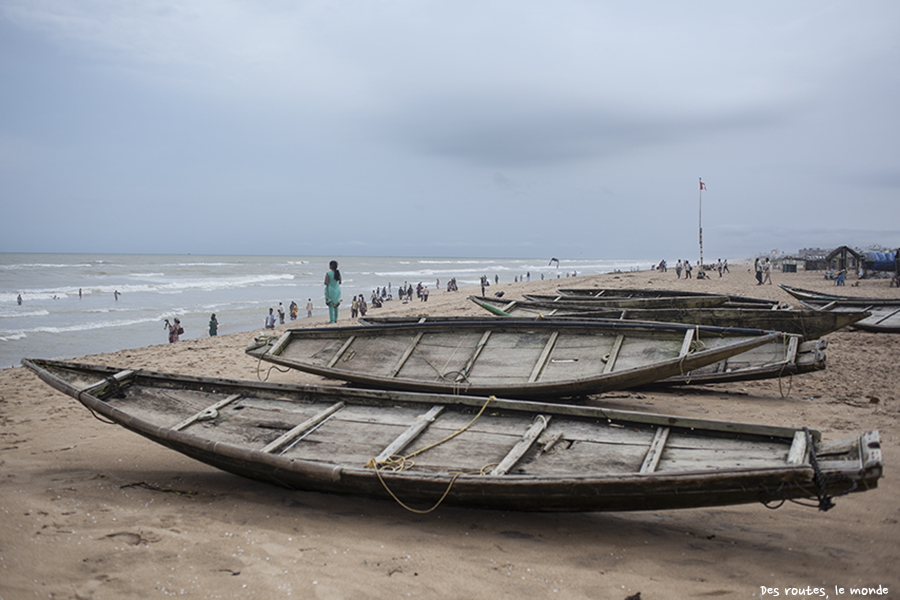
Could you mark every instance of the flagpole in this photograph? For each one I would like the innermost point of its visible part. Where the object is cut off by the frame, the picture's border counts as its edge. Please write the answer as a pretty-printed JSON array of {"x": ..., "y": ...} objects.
[{"x": 700, "y": 224}]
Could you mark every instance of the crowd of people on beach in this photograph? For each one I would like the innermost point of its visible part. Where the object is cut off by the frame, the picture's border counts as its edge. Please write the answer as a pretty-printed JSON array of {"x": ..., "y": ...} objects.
[{"x": 359, "y": 306}]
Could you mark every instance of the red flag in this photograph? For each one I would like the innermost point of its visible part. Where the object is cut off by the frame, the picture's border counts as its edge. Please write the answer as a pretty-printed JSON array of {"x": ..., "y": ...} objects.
[{"x": 702, "y": 185}]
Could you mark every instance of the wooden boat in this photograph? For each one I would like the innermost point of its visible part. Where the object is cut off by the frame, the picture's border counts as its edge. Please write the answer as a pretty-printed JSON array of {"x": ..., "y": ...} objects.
[
  {"x": 622, "y": 302},
  {"x": 811, "y": 324},
  {"x": 505, "y": 357},
  {"x": 884, "y": 312},
  {"x": 781, "y": 358},
  {"x": 576, "y": 293},
  {"x": 790, "y": 356},
  {"x": 424, "y": 449},
  {"x": 821, "y": 299}
]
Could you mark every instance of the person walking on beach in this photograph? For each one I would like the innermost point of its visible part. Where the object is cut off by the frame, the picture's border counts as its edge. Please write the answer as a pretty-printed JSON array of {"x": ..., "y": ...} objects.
[
  {"x": 354, "y": 308},
  {"x": 293, "y": 309},
  {"x": 687, "y": 269},
  {"x": 767, "y": 272},
  {"x": 758, "y": 267},
  {"x": 281, "y": 313},
  {"x": 333, "y": 291},
  {"x": 270, "y": 319},
  {"x": 213, "y": 326},
  {"x": 175, "y": 330},
  {"x": 309, "y": 307},
  {"x": 725, "y": 266}
]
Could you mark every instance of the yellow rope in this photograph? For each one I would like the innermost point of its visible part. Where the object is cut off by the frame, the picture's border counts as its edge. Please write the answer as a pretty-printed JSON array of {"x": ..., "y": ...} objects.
[{"x": 398, "y": 463}]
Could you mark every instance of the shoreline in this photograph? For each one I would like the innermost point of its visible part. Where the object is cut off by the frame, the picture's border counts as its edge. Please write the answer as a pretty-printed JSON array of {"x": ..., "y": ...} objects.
[{"x": 91, "y": 510}]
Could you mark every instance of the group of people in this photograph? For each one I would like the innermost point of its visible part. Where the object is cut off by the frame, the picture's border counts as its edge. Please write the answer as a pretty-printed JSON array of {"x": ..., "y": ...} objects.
[
  {"x": 685, "y": 266},
  {"x": 293, "y": 311},
  {"x": 679, "y": 267},
  {"x": 763, "y": 271}
]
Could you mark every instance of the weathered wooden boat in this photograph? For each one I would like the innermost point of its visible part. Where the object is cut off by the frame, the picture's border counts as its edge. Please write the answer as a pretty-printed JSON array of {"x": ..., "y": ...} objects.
[
  {"x": 425, "y": 449},
  {"x": 884, "y": 312},
  {"x": 623, "y": 302},
  {"x": 576, "y": 293},
  {"x": 811, "y": 324},
  {"x": 506, "y": 357},
  {"x": 822, "y": 299},
  {"x": 781, "y": 358}
]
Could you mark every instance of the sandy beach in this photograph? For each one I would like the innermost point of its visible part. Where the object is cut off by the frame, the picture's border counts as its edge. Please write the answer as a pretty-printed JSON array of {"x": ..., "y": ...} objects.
[{"x": 91, "y": 511}]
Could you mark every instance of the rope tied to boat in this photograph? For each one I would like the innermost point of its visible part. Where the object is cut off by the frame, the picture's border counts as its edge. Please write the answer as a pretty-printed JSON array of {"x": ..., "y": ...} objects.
[
  {"x": 114, "y": 383},
  {"x": 397, "y": 463},
  {"x": 824, "y": 500},
  {"x": 265, "y": 340},
  {"x": 786, "y": 342}
]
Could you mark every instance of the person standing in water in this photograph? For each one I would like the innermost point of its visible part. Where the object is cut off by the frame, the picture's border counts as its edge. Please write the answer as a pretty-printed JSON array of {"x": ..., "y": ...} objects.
[
  {"x": 213, "y": 325},
  {"x": 333, "y": 291}
]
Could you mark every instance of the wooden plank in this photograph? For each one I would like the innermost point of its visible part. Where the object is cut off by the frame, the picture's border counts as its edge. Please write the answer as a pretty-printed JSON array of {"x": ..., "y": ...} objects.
[
  {"x": 210, "y": 412},
  {"x": 406, "y": 354},
  {"x": 797, "y": 453},
  {"x": 340, "y": 352},
  {"x": 509, "y": 306},
  {"x": 117, "y": 378},
  {"x": 278, "y": 347},
  {"x": 888, "y": 316},
  {"x": 614, "y": 354},
  {"x": 522, "y": 446},
  {"x": 686, "y": 343},
  {"x": 655, "y": 451},
  {"x": 791, "y": 354},
  {"x": 411, "y": 433},
  {"x": 542, "y": 359},
  {"x": 464, "y": 374},
  {"x": 303, "y": 428}
]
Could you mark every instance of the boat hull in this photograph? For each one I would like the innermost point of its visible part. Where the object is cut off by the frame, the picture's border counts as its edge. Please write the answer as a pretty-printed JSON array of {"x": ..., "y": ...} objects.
[
  {"x": 811, "y": 324},
  {"x": 506, "y": 357},
  {"x": 468, "y": 451}
]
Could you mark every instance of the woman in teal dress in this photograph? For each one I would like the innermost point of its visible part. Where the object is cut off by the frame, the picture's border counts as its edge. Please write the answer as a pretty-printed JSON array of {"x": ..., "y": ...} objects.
[{"x": 333, "y": 291}]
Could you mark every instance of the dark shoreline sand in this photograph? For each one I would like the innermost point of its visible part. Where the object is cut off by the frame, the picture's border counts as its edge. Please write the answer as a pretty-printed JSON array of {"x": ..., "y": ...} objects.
[{"x": 89, "y": 510}]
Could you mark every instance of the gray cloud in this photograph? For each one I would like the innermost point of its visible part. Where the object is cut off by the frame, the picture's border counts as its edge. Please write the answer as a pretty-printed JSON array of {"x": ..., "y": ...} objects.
[{"x": 404, "y": 119}]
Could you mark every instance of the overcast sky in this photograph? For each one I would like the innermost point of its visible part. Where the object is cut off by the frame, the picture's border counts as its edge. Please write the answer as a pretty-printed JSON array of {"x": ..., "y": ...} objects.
[{"x": 573, "y": 129}]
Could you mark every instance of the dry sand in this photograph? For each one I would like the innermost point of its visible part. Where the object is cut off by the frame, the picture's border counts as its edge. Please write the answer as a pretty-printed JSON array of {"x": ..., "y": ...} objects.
[{"x": 90, "y": 510}]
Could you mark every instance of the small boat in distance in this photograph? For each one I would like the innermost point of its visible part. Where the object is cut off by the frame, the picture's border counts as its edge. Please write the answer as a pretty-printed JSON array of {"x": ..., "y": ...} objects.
[
  {"x": 576, "y": 293},
  {"x": 811, "y": 324},
  {"x": 884, "y": 312},
  {"x": 479, "y": 452},
  {"x": 506, "y": 357},
  {"x": 821, "y": 298},
  {"x": 623, "y": 302}
]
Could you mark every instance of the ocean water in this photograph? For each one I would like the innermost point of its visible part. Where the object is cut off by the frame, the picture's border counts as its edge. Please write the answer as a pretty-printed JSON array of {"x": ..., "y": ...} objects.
[{"x": 69, "y": 306}]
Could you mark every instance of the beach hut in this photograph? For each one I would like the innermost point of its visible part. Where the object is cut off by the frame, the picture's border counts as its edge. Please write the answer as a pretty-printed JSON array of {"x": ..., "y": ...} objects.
[{"x": 844, "y": 259}]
